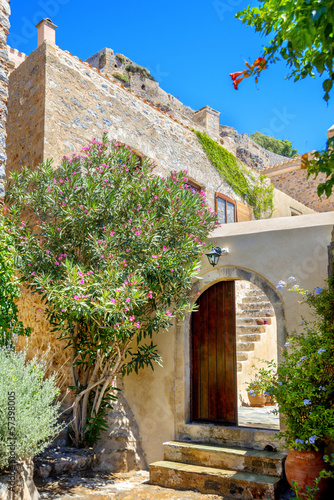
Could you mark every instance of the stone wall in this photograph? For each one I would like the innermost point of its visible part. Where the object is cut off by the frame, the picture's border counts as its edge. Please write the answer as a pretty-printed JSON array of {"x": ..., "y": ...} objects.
[
  {"x": 4, "y": 69},
  {"x": 247, "y": 150},
  {"x": 295, "y": 184},
  {"x": 140, "y": 83},
  {"x": 80, "y": 103},
  {"x": 26, "y": 108}
]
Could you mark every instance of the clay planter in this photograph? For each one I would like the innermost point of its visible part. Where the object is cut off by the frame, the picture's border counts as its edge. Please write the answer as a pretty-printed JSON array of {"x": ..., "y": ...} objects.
[
  {"x": 270, "y": 401},
  {"x": 304, "y": 467},
  {"x": 258, "y": 400}
]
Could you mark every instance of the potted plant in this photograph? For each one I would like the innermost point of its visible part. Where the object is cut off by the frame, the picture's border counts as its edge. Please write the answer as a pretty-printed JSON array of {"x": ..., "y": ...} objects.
[
  {"x": 256, "y": 392},
  {"x": 303, "y": 386}
]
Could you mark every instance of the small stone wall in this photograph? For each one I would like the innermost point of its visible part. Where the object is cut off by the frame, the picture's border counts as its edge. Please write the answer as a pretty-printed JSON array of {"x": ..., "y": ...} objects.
[{"x": 4, "y": 69}]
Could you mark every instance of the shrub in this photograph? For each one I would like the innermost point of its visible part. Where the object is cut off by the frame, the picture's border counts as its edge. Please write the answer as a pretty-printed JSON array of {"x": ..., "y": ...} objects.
[
  {"x": 114, "y": 251},
  {"x": 130, "y": 68},
  {"x": 28, "y": 414},
  {"x": 10, "y": 326},
  {"x": 303, "y": 385},
  {"x": 123, "y": 77}
]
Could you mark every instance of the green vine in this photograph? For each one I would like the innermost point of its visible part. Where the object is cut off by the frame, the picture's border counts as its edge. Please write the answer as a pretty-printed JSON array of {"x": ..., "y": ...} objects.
[{"x": 255, "y": 191}]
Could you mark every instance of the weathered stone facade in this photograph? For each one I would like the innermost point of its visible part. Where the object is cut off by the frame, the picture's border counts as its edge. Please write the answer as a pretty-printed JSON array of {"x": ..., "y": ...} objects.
[
  {"x": 4, "y": 68},
  {"x": 292, "y": 180},
  {"x": 244, "y": 148}
]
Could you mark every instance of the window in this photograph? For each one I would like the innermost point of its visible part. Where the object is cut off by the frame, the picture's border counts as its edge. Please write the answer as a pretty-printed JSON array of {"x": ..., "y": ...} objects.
[
  {"x": 194, "y": 186},
  {"x": 226, "y": 209},
  {"x": 294, "y": 211}
]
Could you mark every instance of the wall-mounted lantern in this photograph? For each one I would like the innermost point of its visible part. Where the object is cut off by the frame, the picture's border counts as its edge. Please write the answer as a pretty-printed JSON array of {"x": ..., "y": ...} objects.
[{"x": 215, "y": 253}]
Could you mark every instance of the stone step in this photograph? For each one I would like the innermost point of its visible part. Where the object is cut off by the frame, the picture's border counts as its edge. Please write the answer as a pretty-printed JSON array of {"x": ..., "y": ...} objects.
[
  {"x": 257, "y": 305},
  {"x": 242, "y": 356},
  {"x": 253, "y": 313},
  {"x": 241, "y": 330},
  {"x": 249, "y": 337},
  {"x": 245, "y": 346},
  {"x": 255, "y": 292},
  {"x": 246, "y": 321},
  {"x": 225, "y": 457},
  {"x": 209, "y": 480},
  {"x": 254, "y": 300}
]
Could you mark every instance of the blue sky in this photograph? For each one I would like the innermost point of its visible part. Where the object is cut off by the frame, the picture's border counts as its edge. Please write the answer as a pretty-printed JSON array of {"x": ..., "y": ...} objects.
[{"x": 190, "y": 47}]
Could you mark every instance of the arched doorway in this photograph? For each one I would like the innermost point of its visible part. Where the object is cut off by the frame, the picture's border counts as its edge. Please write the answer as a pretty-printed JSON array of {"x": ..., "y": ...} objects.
[{"x": 214, "y": 343}]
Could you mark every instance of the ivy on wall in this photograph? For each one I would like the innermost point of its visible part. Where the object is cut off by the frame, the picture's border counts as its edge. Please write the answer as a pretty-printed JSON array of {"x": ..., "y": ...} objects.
[{"x": 255, "y": 191}]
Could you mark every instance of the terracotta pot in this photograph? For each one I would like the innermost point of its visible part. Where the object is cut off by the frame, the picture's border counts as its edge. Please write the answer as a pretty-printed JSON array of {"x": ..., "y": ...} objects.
[
  {"x": 257, "y": 400},
  {"x": 304, "y": 467},
  {"x": 270, "y": 401}
]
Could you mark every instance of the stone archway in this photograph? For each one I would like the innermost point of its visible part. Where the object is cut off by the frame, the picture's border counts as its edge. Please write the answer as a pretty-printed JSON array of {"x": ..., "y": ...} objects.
[{"x": 182, "y": 344}]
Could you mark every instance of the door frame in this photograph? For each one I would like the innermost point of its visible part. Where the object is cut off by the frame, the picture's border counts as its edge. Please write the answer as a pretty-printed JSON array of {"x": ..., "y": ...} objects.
[{"x": 184, "y": 428}]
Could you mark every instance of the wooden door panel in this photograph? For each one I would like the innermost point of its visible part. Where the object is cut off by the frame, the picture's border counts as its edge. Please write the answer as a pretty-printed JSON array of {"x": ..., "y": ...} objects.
[{"x": 213, "y": 334}]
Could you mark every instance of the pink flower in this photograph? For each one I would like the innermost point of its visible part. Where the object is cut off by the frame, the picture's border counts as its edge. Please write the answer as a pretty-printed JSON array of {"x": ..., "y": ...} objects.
[
  {"x": 144, "y": 189},
  {"x": 168, "y": 313},
  {"x": 164, "y": 248},
  {"x": 48, "y": 251},
  {"x": 76, "y": 297},
  {"x": 127, "y": 300},
  {"x": 82, "y": 281},
  {"x": 102, "y": 256},
  {"x": 49, "y": 189},
  {"x": 127, "y": 250},
  {"x": 113, "y": 301},
  {"x": 40, "y": 310},
  {"x": 150, "y": 294},
  {"x": 80, "y": 273},
  {"x": 126, "y": 282},
  {"x": 58, "y": 228},
  {"x": 138, "y": 325},
  {"x": 154, "y": 256},
  {"x": 132, "y": 318},
  {"x": 63, "y": 310},
  {"x": 172, "y": 270},
  {"x": 57, "y": 263}
]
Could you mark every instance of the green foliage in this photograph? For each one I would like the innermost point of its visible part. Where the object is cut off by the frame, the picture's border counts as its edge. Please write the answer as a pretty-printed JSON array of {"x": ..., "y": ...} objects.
[
  {"x": 113, "y": 250},
  {"x": 262, "y": 382},
  {"x": 303, "y": 382},
  {"x": 130, "y": 68},
  {"x": 302, "y": 34},
  {"x": 281, "y": 147},
  {"x": 121, "y": 58},
  {"x": 28, "y": 414},
  {"x": 10, "y": 326},
  {"x": 123, "y": 77},
  {"x": 256, "y": 191}
]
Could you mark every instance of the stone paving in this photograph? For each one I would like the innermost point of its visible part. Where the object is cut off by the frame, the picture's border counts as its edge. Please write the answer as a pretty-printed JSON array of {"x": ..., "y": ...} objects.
[
  {"x": 102, "y": 486},
  {"x": 127, "y": 486},
  {"x": 258, "y": 417}
]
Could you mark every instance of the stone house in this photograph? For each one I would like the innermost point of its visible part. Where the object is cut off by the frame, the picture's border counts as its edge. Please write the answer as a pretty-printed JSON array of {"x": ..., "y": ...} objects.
[{"x": 57, "y": 103}]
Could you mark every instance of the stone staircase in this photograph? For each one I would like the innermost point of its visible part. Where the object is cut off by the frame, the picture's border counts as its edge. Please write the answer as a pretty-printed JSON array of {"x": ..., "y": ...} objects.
[
  {"x": 232, "y": 472},
  {"x": 254, "y": 306}
]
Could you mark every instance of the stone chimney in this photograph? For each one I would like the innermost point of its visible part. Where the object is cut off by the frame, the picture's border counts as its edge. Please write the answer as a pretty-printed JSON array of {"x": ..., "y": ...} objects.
[
  {"x": 209, "y": 119},
  {"x": 46, "y": 31}
]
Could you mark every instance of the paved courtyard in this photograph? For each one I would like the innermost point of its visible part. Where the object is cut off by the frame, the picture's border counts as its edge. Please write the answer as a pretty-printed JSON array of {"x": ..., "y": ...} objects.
[{"x": 262, "y": 418}]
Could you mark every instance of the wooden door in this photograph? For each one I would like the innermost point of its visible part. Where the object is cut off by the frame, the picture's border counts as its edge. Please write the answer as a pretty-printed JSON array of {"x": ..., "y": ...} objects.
[{"x": 213, "y": 344}]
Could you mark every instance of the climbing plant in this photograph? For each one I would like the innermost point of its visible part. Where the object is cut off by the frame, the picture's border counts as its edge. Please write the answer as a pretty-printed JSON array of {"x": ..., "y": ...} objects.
[{"x": 257, "y": 192}]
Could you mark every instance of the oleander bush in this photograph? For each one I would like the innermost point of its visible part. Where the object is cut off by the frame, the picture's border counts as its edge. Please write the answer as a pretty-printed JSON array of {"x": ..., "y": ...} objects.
[
  {"x": 28, "y": 406},
  {"x": 114, "y": 251},
  {"x": 10, "y": 326}
]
